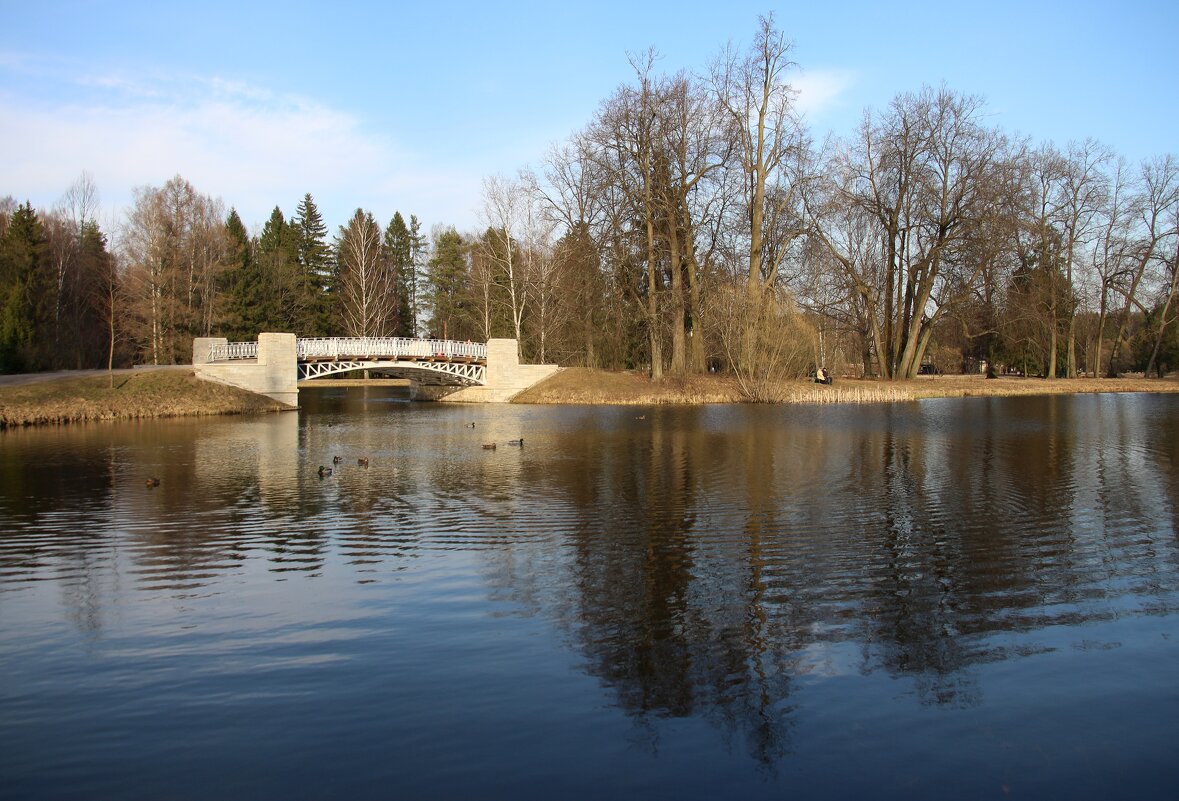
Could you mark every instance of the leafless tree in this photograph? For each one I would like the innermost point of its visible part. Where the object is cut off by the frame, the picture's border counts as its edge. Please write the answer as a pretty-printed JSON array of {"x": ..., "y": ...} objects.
[
  {"x": 1153, "y": 205},
  {"x": 367, "y": 287},
  {"x": 771, "y": 147},
  {"x": 919, "y": 181},
  {"x": 173, "y": 247}
]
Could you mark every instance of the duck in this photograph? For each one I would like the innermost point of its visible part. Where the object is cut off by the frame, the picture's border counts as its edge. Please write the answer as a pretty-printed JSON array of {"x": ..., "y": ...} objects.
[
  {"x": 362, "y": 461},
  {"x": 519, "y": 443},
  {"x": 490, "y": 446},
  {"x": 153, "y": 482},
  {"x": 324, "y": 471},
  {"x": 470, "y": 425},
  {"x": 337, "y": 459}
]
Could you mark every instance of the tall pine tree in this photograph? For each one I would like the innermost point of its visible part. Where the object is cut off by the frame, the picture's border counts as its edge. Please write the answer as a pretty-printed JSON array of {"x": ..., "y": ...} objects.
[
  {"x": 26, "y": 293},
  {"x": 448, "y": 282},
  {"x": 245, "y": 289},
  {"x": 314, "y": 256},
  {"x": 282, "y": 304},
  {"x": 399, "y": 252}
]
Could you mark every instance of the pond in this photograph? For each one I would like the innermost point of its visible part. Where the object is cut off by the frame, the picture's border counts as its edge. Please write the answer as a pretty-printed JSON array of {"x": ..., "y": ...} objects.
[{"x": 966, "y": 598}]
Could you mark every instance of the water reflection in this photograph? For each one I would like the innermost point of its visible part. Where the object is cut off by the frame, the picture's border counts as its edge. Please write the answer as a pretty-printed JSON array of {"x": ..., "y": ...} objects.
[{"x": 711, "y": 563}]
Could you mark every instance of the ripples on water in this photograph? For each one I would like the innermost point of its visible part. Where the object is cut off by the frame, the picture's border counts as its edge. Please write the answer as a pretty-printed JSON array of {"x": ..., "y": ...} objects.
[{"x": 942, "y": 599}]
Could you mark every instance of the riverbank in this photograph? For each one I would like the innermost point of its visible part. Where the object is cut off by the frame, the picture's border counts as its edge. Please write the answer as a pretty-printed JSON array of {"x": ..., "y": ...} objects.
[
  {"x": 582, "y": 385},
  {"x": 132, "y": 395},
  {"x": 140, "y": 394}
]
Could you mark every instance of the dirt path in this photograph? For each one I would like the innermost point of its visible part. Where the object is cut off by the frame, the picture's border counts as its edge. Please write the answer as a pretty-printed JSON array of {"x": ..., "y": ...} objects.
[{"x": 33, "y": 378}]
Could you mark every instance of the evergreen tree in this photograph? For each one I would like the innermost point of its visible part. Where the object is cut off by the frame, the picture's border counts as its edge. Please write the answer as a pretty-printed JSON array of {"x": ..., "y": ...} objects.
[
  {"x": 26, "y": 292},
  {"x": 245, "y": 288},
  {"x": 314, "y": 257},
  {"x": 447, "y": 284},
  {"x": 399, "y": 252},
  {"x": 99, "y": 319},
  {"x": 281, "y": 304}
]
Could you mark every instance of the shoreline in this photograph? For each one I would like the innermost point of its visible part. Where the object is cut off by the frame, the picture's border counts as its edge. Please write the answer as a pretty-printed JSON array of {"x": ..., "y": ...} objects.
[
  {"x": 153, "y": 393},
  {"x": 575, "y": 385},
  {"x": 93, "y": 396}
]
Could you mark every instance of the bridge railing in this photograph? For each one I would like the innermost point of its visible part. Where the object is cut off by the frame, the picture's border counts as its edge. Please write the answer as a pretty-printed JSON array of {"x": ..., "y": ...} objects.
[
  {"x": 233, "y": 350},
  {"x": 389, "y": 347},
  {"x": 359, "y": 348}
]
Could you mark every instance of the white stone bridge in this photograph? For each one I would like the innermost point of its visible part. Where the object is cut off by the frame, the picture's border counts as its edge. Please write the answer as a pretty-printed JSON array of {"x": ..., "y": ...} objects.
[{"x": 277, "y": 364}]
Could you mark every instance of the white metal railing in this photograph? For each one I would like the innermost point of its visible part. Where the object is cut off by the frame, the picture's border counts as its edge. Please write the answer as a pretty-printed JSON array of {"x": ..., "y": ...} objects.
[
  {"x": 388, "y": 348},
  {"x": 360, "y": 348},
  {"x": 233, "y": 350}
]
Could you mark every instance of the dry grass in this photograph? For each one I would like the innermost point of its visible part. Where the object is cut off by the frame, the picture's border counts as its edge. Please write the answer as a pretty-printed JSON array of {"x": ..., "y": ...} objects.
[
  {"x": 580, "y": 385},
  {"x": 583, "y": 385},
  {"x": 164, "y": 393}
]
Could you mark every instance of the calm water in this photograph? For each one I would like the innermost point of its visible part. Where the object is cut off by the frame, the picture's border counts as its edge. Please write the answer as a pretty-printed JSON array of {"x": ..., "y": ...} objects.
[{"x": 949, "y": 599}]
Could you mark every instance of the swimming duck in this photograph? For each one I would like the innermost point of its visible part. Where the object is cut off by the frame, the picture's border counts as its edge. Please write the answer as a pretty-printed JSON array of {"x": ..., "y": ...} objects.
[
  {"x": 153, "y": 482},
  {"x": 337, "y": 459},
  {"x": 519, "y": 443},
  {"x": 470, "y": 425},
  {"x": 324, "y": 471},
  {"x": 362, "y": 461},
  {"x": 489, "y": 446}
]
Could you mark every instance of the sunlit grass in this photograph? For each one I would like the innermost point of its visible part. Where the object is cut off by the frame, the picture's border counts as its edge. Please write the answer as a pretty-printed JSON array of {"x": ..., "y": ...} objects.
[{"x": 131, "y": 395}]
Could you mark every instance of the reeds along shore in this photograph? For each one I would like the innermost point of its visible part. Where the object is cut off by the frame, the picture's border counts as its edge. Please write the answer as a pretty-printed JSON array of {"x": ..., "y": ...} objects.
[{"x": 580, "y": 385}]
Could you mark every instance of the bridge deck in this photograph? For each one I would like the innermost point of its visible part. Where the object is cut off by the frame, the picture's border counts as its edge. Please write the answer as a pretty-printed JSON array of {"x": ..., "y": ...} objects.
[{"x": 432, "y": 360}]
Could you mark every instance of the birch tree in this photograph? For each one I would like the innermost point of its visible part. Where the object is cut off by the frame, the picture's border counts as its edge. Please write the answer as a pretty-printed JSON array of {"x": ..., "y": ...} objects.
[
  {"x": 367, "y": 288},
  {"x": 507, "y": 207}
]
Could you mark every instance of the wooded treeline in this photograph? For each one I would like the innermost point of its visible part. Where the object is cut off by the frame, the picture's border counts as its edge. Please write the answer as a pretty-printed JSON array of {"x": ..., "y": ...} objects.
[{"x": 692, "y": 225}]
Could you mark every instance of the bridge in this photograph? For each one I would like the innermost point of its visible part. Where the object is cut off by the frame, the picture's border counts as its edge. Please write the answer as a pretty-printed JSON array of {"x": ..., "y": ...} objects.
[{"x": 277, "y": 364}]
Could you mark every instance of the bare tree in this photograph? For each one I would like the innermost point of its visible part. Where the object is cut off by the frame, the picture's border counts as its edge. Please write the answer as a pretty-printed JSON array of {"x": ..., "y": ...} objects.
[
  {"x": 1082, "y": 193},
  {"x": 505, "y": 207},
  {"x": 920, "y": 182},
  {"x": 366, "y": 284},
  {"x": 77, "y": 208},
  {"x": 540, "y": 265},
  {"x": 174, "y": 246},
  {"x": 771, "y": 147},
  {"x": 1154, "y": 205},
  {"x": 1168, "y": 260}
]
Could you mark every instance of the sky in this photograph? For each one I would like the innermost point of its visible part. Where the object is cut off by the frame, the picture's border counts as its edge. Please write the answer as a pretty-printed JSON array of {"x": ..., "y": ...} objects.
[{"x": 394, "y": 106}]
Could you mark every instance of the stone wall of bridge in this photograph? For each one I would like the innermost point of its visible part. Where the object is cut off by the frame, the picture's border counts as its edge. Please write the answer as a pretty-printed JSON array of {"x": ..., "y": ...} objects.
[{"x": 274, "y": 373}]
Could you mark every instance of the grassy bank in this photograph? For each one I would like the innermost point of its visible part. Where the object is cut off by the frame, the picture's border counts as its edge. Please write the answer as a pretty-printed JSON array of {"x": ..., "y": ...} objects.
[
  {"x": 581, "y": 385},
  {"x": 134, "y": 395}
]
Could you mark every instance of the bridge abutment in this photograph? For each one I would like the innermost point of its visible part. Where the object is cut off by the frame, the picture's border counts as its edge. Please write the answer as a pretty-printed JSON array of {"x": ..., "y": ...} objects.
[
  {"x": 274, "y": 373},
  {"x": 505, "y": 377}
]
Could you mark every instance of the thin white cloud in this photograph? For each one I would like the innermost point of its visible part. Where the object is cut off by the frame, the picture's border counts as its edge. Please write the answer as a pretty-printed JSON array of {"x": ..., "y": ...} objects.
[
  {"x": 822, "y": 90},
  {"x": 252, "y": 147}
]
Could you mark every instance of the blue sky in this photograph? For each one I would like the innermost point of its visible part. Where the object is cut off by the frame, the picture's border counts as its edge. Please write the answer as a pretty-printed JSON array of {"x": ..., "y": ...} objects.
[{"x": 407, "y": 107}]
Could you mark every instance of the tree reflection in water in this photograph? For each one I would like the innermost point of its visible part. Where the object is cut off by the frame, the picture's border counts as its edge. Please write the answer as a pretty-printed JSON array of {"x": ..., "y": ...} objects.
[{"x": 704, "y": 562}]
